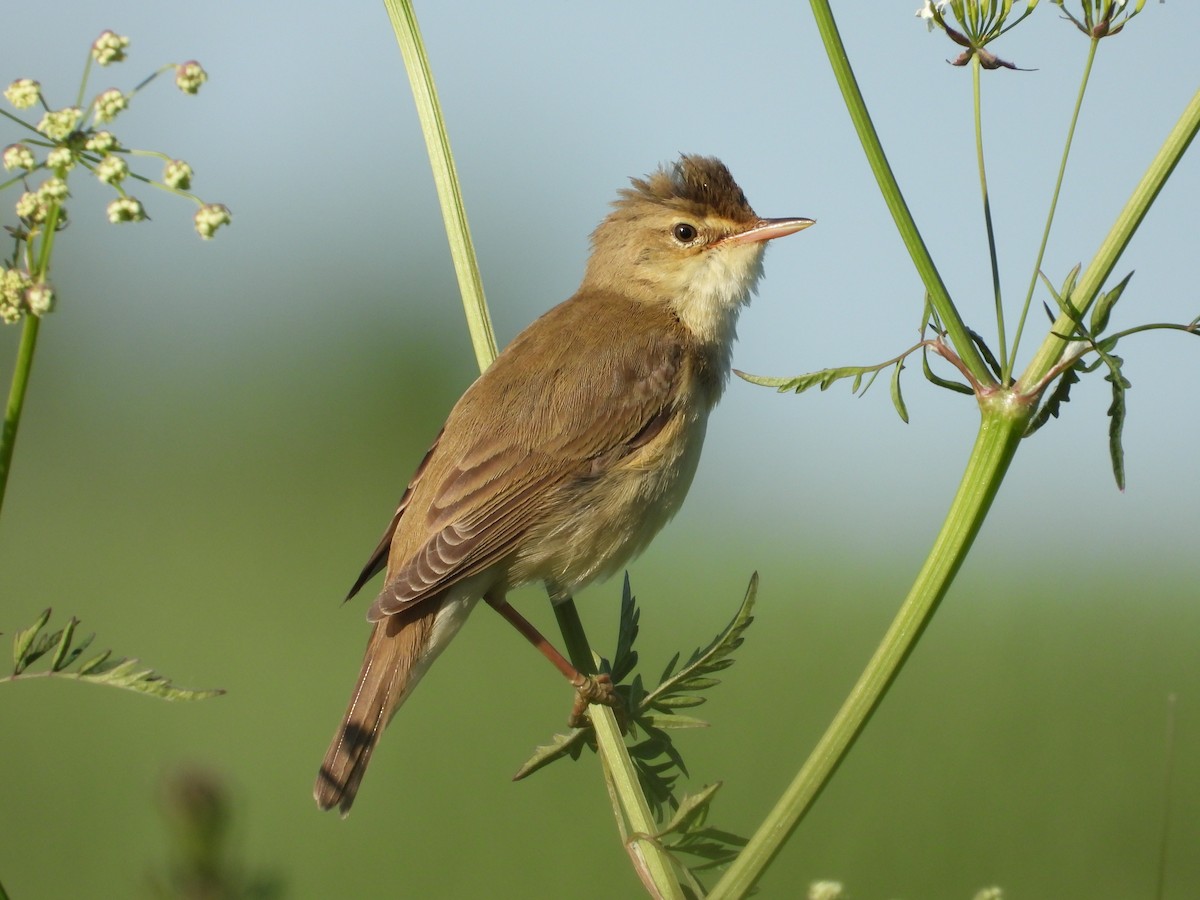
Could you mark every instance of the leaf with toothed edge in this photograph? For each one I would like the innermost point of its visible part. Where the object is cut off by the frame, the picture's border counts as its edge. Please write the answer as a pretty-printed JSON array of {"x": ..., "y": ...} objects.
[{"x": 31, "y": 644}]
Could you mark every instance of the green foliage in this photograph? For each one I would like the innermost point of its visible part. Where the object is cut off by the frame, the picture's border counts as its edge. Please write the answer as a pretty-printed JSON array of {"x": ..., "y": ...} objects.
[
  {"x": 653, "y": 714},
  {"x": 32, "y": 643}
]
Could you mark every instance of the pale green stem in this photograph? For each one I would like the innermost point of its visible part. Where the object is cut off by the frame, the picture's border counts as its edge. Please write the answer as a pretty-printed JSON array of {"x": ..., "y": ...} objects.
[
  {"x": 445, "y": 177},
  {"x": 1092, "y": 280},
  {"x": 1000, "y": 432},
  {"x": 16, "y": 398},
  {"x": 1062, "y": 169},
  {"x": 976, "y": 68},
  {"x": 652, "y": 862},
  {"x": 939, "y": 297}
]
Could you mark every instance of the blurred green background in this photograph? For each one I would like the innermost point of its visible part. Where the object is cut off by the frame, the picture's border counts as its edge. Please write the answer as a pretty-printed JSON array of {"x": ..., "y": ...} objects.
[{"x": 216, "y": 434}]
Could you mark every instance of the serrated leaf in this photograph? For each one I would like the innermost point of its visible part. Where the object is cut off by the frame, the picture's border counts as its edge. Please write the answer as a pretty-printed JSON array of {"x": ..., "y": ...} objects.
[
  {"x": 1052, "y": 406},
  {"x": 897, "y": 397},
  {"x": 693, "y": 809},
  {"x": 23, "y": 640},
  {"x": 625, "y": 659},
  {"x": 560, "y": 745},
  {"x": 822, "y": 379},
  {"x": 703, "y": 660},
  {"x": 32, "y": 643},
  {"x": 1105, "y": 304},
  {"x": 1116, "y": 421},
  {"x": 124, "y": 674}
]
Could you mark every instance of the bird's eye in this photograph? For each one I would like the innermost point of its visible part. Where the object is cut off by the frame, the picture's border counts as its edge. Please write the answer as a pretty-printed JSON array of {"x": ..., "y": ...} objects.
[{"x": 684, "y": 233}]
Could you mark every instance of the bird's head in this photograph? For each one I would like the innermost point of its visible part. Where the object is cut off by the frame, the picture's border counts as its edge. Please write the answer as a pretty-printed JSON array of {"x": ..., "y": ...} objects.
[{"x": 685, "y": 236}]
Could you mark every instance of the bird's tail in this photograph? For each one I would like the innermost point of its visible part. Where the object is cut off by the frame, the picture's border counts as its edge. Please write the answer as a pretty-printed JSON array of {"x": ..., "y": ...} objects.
[{"x": 401, "y": 648}]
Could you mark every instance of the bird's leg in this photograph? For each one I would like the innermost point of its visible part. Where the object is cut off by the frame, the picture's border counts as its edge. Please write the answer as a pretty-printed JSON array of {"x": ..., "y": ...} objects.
[{"x": 596, "y": 688}]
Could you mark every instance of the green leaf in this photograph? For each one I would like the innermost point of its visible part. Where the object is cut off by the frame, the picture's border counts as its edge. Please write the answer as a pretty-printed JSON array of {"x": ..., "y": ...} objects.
[
  {"x": 985, "y": 351},
  {"x": 937, "y": 379},
  {"x": 22, "y": 641},
  {"x": 64, "y": 644},
  {"x": 1052, "y": 406},
  {"x": 693, "y": 810},
  {"x": 897, "y": 398},
  {"x": 1105, "y": 303},
  {"x": 1116, "y": 421},
  {"x": 30, "y": 645},
  {"x": 706, "y": 660},
  {"x": 822, "y": 379},
  {"x": 625, "y": 659}
]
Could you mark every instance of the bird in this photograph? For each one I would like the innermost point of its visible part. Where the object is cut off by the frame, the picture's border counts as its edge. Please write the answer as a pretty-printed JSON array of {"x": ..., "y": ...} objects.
[{"x": 571, "y": 451}]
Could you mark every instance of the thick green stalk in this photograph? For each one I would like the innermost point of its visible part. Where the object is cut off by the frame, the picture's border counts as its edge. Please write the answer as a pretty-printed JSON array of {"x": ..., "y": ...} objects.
[
  {"x": 1062, "y": 171},
  {"x": 1002, "y": 339},
  {"x": 939, "y": 297},
  {"x": 445, "y": 177},
  {"x": 1003, "y": 423},
  {"x": 1115, "y": 242}
]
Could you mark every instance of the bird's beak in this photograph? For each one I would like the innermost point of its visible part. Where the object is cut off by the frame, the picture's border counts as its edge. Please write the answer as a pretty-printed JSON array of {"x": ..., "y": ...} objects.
[{"x": 766, "y": 229}]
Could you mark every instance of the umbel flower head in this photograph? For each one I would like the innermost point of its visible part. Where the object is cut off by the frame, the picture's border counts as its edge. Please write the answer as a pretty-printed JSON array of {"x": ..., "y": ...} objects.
[
  {"x": 1101, "y": 18},
  {"x": 979, "y": 23}
]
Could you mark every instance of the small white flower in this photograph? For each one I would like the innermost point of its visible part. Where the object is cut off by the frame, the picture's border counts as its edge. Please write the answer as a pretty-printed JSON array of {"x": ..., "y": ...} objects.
[
  {"x": 210, "y": 217},
  {"x": 31, "y": 207},
  {"x": 926, "y": 11},
  {"x": 101, "y": 142},
  {"x": 53, "y": 190},
  {"x": 125, "y": 209},
  {"x": 178, "y": 175},
  {"x": 109, "y": 103},
  {"x": 109, "y": 47},
  {"x": 189, "y": 76},
  {"x": 60, "y": 158},
  {"x": 112, "y": 169},
  {"x": 39, "y": 298},
  {"x": 59, "y": 123},
  {"x": 13, "y": 283},
  {"x": 18, "y": 156},
  {"x": 23, "y": 93}
]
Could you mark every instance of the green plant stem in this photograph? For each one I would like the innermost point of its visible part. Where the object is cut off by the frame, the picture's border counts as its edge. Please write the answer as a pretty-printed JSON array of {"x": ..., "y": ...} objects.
[
  {"x": 649, "y": 859},
  {"x": 1062, "y": 170},
  {"x": 445, "y": 177},
  {"x": 976, "y": 68},
  {"x": 1003, "y": 423},
  {"x": 16, "y": 398},
  {"x": 39, "y": 270},
  {"x": 939, "y": 297},
  {"x": 1115, "y": 242}
]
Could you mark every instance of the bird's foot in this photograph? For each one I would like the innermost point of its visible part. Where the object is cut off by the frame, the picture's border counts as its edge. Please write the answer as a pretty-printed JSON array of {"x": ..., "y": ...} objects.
[{"x": 596, "y": 689}]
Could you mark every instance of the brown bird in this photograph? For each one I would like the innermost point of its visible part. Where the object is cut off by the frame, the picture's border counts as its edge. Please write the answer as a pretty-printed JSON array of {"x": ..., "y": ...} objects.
[{"x": 565, "y": 458}]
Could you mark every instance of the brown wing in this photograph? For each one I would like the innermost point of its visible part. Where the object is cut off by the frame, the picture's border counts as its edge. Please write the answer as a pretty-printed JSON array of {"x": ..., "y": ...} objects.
[{"x": 536, "y": 427}]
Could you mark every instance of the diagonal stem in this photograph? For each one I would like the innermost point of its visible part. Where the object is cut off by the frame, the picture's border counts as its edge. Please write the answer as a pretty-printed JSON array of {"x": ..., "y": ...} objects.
[
  {"x": 976, "y": 68},
  {"x": 1062, "y": 169}
]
